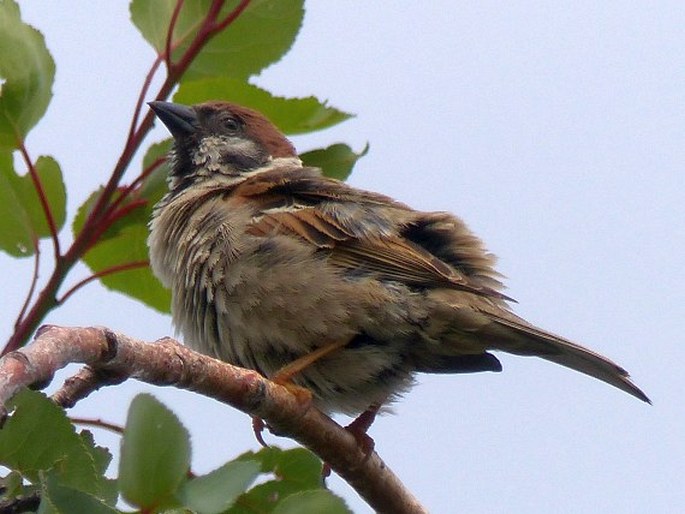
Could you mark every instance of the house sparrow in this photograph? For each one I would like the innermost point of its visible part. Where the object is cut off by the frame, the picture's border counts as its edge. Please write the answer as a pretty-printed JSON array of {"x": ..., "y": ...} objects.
[{"x": 310, "y": 281}]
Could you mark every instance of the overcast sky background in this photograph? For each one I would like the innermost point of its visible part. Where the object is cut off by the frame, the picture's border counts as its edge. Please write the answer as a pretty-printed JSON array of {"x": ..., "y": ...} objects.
[{"x": 557, "y": 132}]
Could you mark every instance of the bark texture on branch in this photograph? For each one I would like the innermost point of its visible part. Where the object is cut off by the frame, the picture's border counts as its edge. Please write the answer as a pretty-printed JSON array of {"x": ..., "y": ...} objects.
[{"x": 112, "y": 357}]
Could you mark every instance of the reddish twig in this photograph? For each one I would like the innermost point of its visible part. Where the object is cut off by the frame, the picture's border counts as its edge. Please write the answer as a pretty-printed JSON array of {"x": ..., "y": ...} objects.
[
  {"x": 97, "y": 422},
  {"x": 42, "y": 198},
  {"x": 112, "y": 217},
  {"x": 141, "y": 98},
  {"x": 125, "y": 210},
  {"x": 232, "y": 16},
  {"x": 34, "y": 282},
  {"x": 107, "y": 271},
  {"x": 168, "y": 48},
  {"x": 208, "y": 29},
  {"x": 127, "y": 191},
  {"x": 143, "y": 175}
]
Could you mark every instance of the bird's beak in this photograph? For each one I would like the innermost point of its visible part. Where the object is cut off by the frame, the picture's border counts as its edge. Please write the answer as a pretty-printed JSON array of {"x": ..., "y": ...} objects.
[{"x": 181, "y": 120}]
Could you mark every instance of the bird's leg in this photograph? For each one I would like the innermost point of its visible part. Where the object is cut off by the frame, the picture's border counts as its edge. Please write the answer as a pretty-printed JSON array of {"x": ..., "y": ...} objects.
[
  {"x": 284, "y": 375},
  {"x": 360, "y": 426}
]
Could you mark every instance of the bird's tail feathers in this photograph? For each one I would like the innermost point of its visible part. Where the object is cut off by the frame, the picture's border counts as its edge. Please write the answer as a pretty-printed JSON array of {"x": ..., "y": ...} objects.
[{"x": 521, "y": 338}]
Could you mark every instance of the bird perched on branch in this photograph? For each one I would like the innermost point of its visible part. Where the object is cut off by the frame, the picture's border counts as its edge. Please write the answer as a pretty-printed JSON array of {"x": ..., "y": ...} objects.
[{"x": 312, "y": 282}]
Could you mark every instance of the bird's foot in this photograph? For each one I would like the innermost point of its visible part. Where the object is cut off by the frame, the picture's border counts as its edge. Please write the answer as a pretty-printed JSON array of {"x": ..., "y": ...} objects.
[
  {"x": 359, "y": 430},
  {"x": 258, "y": 427},
  {"x": 303, "y": 397},
  {"x": 301, "y": 394}
]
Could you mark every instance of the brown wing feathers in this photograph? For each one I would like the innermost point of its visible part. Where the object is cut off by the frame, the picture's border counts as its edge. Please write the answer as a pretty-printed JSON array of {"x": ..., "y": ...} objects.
[
  {"x": 391, "y": 258},
  {"x": 423, "y": 250}
]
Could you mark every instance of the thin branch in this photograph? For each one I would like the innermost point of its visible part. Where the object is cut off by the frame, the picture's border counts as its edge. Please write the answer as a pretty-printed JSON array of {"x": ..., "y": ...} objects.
[
  {"x": 114, "y": 216},
  {"x": 167, "y": 362},
  {"x": 168, "y": 48},
  {"x": 127, "y": 191},
  {"x": 206, "y": 31},
  {"x": 138, "y": 181},
  {"x": 141, "y": 98},
  {"x": 42, "y": 197},
  {"x": 34, "y": 282},
  {"x": 83, "y": 383},
  {"x": 105, "y": 272},
  {"x": 97, "y": 422},
  {"x": 213, "y": 13},
  {"x": 231, "y": 17}
]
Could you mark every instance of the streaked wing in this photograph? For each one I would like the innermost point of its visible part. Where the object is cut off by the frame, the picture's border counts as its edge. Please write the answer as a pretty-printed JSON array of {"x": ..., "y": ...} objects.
[{"x": 352, "y": 243}]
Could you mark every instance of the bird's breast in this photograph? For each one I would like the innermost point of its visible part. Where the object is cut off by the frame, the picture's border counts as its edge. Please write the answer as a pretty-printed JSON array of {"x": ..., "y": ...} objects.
[{"x": 262, "y": 301}]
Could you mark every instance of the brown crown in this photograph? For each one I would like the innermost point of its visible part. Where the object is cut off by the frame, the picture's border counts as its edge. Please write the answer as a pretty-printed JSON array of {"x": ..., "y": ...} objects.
[{"x": 257, "y": 127}]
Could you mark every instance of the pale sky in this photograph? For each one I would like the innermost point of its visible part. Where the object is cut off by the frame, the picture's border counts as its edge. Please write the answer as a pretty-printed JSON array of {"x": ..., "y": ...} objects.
[{"x": 557, "y": 132}]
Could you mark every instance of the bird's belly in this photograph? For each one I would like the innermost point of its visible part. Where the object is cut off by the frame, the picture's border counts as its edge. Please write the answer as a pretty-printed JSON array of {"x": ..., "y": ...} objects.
[{"x": 275, "y": 304}]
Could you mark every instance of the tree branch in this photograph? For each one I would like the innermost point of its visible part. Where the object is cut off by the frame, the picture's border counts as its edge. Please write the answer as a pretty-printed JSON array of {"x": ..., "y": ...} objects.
[{"x": 112, "y": 357}]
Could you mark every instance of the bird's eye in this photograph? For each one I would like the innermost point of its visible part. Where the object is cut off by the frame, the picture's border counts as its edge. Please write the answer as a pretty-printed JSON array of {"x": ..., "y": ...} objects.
[{"x": 230, "y": 124}]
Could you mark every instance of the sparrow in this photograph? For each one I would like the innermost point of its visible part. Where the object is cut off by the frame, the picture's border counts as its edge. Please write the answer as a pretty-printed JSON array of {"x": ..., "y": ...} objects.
[{"x": 309, "y": 281}]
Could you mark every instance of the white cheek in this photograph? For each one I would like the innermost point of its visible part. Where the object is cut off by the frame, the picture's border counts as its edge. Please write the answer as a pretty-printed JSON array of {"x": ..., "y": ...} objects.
[
  {"x": 211, "y": 151},
  {"x": 208, "y": 152}
]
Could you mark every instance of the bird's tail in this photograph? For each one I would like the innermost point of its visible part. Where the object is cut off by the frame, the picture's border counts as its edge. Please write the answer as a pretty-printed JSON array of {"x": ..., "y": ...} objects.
[{"x": 518, "y": 337}]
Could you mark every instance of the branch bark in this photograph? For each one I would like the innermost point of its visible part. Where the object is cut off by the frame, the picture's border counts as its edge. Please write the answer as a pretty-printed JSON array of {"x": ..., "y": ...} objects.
[{"x": 112, "y": 357}]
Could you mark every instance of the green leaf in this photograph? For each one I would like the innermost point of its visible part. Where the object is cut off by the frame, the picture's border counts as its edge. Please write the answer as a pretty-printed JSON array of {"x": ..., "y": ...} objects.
[
  {"x": 27, "y": 72},
  {"x": 155, "y": 454},
  {"x": 312, "y": 502},
  {"x": 336, "y": 161},
  {"x": 152, "y": 17},
  {"x": 39, "y": 436},
  {"x": 217, "y": 491},
  {"x": 290, "y": 115},
  {"x": 22, "y": 219},
  {"x": 57, "y": 498},
  {"x": 101, "y": 457},
  {"x": 155, "y": 184},
  {"x": 260, "y": 36},
  {"x": 297, "y": 464},
  {"x": 294, "y": 471},
  {"x": 125, "y": 242}
]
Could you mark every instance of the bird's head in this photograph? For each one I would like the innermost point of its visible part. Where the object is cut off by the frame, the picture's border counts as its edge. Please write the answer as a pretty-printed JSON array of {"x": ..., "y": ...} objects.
[{"x": 220, "y": 139}]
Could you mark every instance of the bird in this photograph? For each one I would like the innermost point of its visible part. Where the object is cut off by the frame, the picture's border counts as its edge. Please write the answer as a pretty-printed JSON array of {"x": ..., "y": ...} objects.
[{"x": 312, "y": 282}]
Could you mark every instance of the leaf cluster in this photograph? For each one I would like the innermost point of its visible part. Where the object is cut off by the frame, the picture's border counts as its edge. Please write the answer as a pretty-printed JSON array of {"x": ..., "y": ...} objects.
[{"x": 64, "y": 470}]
